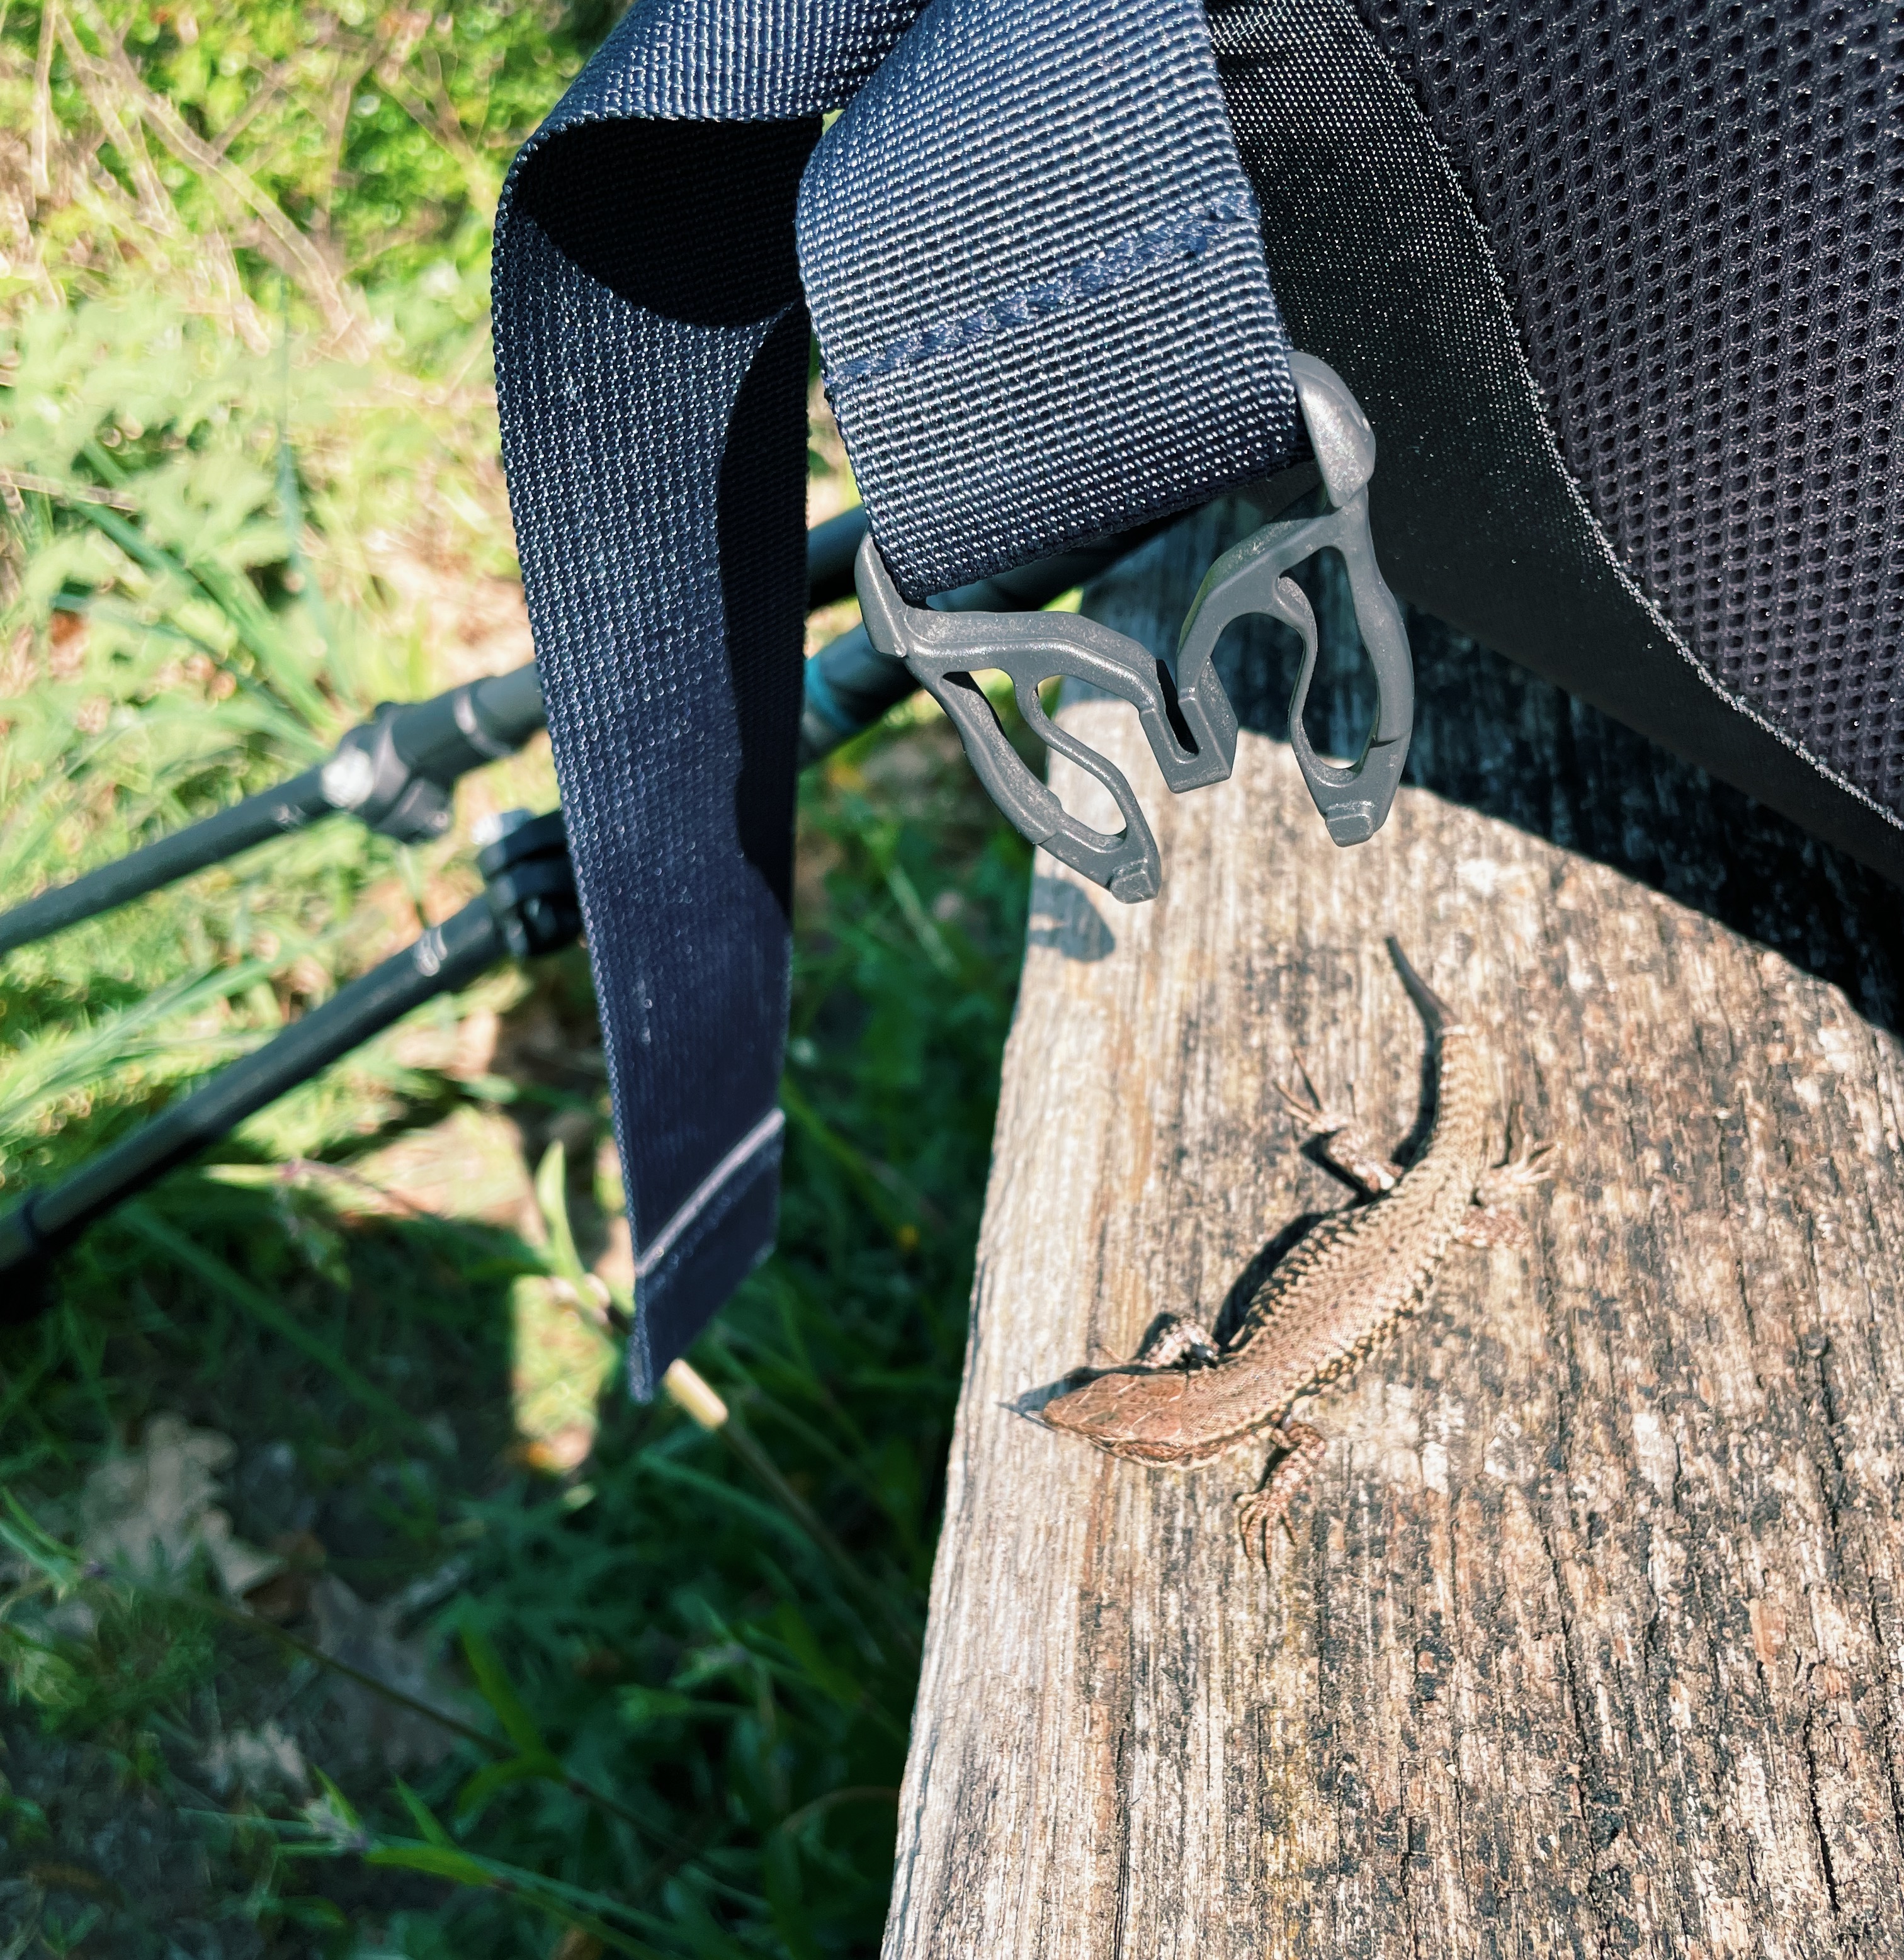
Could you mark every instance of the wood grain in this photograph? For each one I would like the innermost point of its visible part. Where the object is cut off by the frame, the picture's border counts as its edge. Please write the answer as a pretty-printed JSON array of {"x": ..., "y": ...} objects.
[{"x": 1592, "y": 1640}]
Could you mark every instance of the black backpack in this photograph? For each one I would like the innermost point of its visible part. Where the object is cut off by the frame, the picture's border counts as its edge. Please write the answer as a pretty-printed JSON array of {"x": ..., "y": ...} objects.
[{"x": 1621, "y": 292}]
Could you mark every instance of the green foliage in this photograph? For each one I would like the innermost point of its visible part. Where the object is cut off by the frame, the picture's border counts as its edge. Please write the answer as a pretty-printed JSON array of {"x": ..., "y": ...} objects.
[
  {"x": 694, "y": 1658},
  {"x": 169, "y": 653},
  {"x": 382, "y": 133},
  {"x": 508, "y": 1692}
]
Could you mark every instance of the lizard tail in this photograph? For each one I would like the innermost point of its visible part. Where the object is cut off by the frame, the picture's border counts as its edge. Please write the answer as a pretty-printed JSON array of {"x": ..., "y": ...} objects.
[{"x": 1435, "y": 1011}]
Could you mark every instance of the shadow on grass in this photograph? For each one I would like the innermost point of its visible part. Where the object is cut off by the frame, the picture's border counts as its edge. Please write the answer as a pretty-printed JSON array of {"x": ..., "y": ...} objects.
[{"x": 715, "y": 1670}]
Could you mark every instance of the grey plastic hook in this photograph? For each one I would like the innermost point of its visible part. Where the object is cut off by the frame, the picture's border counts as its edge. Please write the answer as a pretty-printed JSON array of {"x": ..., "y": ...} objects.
[
  {"x": 945, "y": 650},
  {"x": 1187, "y": 718},
  {"x": 1251, "y": 577}
]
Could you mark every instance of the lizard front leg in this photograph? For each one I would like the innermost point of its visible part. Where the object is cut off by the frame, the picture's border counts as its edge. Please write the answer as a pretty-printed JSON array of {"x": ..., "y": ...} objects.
[
  {"x": 1343, "y": 1142},
  {"x": 1259, "y": 1512},
  {"x": 1173, "y": 1337}
]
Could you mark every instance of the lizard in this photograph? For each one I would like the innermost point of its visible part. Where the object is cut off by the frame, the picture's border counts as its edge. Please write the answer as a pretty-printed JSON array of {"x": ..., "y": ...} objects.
[{"x": 1340, "y": 1292}]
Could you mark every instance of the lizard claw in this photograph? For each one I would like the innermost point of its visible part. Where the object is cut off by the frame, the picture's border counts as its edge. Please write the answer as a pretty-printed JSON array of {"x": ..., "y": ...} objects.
[
  {"x": 1254, "y": 1517},
  {"x": 1311, "y": 1112},
  {"x": 1303, "y": 1449},
  {"x": 1510, "y": 1179},
  {"x": 1522, "y": 1166},
  {"x": 1258, "y": 1513},
  {"x": 1494, "y": 1222}
]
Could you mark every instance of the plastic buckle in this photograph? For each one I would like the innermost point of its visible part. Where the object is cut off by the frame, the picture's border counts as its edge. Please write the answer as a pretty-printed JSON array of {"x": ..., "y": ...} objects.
[
  {"x": 1187, "y": 718},
  {"x": 943, "y": 650}
]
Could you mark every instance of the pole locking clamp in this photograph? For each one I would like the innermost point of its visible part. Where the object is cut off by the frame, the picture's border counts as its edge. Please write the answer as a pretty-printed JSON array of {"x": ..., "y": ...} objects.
[{"x": 1185, "y": 715}]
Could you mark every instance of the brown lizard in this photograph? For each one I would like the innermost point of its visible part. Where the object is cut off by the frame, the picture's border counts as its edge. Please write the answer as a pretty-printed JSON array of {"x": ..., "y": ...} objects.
[{"x": 1340, "y": 1292}]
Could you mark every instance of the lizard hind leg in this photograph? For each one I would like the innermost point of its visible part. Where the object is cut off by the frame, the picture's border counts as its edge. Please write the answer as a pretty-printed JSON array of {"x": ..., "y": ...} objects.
[
  {"x": 1493, "y": 1221},
  {"x": 1258, "y": 1512}
]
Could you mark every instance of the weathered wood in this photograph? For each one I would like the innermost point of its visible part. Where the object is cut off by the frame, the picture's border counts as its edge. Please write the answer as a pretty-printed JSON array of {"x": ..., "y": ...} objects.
[{"x": 1592, "y": 1640}]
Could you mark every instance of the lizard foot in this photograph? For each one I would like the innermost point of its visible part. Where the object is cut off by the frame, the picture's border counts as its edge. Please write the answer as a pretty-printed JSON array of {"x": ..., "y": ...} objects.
[
  {"x": 1173, "y": 1337},
  {"x": 1309, "y": 1109},
  {"x": 1344, "y": 1144},
  {"x": 1516, "y": 1176},
  {"x": 1493, "y": 1224},
  {"x": 1258, "y": 1512}
]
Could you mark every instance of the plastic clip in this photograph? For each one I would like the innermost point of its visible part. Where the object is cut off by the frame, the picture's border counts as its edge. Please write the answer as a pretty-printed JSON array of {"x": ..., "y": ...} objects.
[
  {"x": 1251, "y": 577},
  {"x": 1186, "y": 717},
  {"x": 943, "y": 650}
]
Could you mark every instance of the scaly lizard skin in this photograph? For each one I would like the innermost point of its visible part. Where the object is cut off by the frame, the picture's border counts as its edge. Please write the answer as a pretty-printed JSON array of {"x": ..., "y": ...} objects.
[{"x": 1342, "y": 1290}]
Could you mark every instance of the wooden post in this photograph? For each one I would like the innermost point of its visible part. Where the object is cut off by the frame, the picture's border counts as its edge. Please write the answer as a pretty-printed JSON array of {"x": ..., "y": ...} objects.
[{"x": 1591, "y": 1640}]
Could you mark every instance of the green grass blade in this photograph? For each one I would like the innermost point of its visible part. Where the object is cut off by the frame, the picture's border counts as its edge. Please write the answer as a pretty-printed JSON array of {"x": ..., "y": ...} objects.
[{"x": 494, "y": 1685}]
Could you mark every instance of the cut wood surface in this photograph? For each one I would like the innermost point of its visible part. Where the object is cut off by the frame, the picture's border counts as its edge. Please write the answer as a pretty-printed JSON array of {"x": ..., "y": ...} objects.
[{"x": 1591, "y": 1637}]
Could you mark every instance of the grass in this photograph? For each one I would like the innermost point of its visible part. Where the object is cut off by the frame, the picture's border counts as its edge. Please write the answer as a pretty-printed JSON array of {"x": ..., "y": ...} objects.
[{"x": 347, "y": 1606}]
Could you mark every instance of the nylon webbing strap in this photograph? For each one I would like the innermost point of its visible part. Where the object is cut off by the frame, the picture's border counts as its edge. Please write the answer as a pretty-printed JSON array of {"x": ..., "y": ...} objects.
[{"x": 1033, "y": 260}]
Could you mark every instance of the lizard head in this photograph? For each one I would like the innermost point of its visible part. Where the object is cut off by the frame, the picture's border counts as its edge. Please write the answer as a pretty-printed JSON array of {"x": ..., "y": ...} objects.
[{"x": 1151, "y": 1415}]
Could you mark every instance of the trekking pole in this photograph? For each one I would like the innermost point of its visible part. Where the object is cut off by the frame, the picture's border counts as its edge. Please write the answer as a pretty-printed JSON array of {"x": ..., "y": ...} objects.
[
  {"x": 397, "y": 772},
  {"x": 527, "y": 906}
]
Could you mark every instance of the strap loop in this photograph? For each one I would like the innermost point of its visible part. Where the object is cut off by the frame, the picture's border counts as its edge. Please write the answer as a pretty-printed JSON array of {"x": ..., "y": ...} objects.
[{"x": 1035, "y": 270}]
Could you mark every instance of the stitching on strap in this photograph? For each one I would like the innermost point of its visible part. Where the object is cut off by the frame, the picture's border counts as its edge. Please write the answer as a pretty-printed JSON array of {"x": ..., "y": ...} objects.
[{"x": 1186, "y": 236}]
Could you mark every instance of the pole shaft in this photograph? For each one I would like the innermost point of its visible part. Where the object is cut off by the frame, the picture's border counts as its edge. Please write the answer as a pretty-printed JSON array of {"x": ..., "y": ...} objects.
[
  {"x": 449, "y": 957},
  {"x": 270, "y": 813}
]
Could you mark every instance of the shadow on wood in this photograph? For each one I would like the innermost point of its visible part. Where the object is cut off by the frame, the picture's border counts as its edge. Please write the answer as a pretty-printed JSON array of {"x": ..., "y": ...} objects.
[{"x": 1592, "y": 1640}]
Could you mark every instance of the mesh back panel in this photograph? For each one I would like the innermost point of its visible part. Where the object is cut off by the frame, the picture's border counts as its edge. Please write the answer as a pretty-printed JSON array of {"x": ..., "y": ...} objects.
[{"x": 1699, "y": 212}]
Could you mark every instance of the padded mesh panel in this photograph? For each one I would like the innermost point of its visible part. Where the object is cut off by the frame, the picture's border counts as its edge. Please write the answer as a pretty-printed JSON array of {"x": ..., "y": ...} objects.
[{"x": 1698, "y": 211}]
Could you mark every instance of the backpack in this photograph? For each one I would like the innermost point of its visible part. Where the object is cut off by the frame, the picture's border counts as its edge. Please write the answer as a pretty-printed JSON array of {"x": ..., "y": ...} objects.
[{"x": 1618, "y": 297}]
